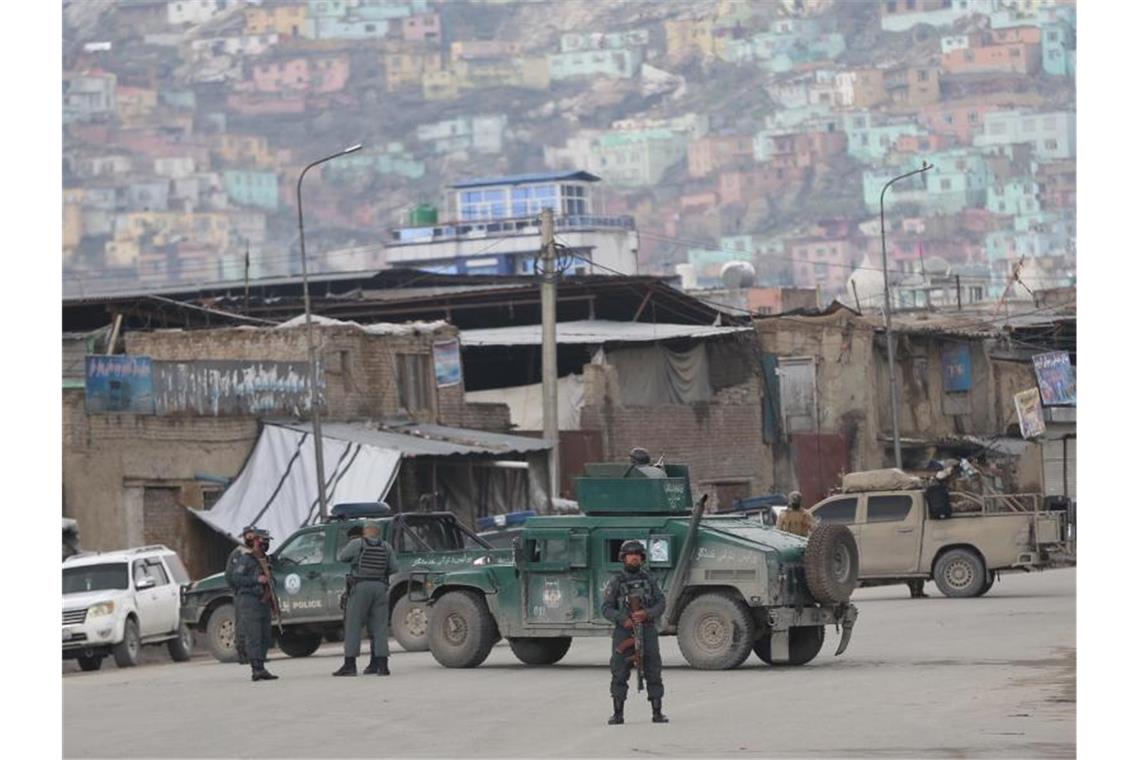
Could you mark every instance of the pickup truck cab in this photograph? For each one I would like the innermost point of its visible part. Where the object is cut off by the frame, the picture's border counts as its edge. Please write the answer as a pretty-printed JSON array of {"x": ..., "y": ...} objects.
[
  {"x": 309, "y": 580},
  {"x": 114, "y": 603},
  {"x": 959, "y": 540}
]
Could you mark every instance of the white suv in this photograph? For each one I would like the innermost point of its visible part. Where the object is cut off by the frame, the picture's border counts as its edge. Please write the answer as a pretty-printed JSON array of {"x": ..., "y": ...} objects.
[{"x": 115, "y": 602}]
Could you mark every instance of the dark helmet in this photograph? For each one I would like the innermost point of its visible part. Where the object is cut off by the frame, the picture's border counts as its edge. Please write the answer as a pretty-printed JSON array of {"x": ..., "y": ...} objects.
[
  {"x": 261, "y": 533},
  {"x": 795, "y": 499},
  {"x": 631, "y": 547},
  {"x": 639, "y": 456}
]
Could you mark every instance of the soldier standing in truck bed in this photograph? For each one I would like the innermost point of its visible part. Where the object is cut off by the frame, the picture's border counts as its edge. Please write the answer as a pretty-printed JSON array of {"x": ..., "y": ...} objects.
[
  {"x": 372, "y": 561},
  {"x": 633, "y": 581},
  {"x": 794, "y": 519}
]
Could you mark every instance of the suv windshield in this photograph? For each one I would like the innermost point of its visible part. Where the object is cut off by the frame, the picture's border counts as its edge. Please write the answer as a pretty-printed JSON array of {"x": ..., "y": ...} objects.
[{"x": 112, "y": 575}]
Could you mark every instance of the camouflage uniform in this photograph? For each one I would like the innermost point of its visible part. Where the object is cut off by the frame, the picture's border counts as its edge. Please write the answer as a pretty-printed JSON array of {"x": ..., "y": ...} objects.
[
  {"x": 615, "y": 608},
  {"x": 254, "y": 614},
  {"x": 795, "y": 520}
]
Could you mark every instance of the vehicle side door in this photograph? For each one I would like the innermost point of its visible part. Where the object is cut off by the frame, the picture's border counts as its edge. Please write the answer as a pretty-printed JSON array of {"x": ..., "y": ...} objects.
[
  {"x": 662, "y": 549},
  {"x": 555, "y": 577},
  {"x": 300, "y": 572},
  {"x": 149, "y": 599},
  {"x": 890, "y": 534},
  {"x": 169, "y": 593}
]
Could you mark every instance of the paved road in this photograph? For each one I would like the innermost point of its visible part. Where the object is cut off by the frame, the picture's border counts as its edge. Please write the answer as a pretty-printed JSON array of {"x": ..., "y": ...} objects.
[{"x": 992, "y": 677}]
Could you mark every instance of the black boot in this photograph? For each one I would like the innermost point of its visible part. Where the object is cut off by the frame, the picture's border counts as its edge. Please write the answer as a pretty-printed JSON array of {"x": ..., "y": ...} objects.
[
  {"x": 658, "y": 716},
  {"x": 619, "y": 712},
  {"x": 348, "y": 668},
  {"x": 382, "y": 670},
  {"x": 259, "y": 671},
  {"x": 373, "y": 666}
]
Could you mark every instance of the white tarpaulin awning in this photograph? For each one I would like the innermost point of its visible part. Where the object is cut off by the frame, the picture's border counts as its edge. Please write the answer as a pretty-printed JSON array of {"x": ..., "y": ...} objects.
[{"x": 276, "y": 488}]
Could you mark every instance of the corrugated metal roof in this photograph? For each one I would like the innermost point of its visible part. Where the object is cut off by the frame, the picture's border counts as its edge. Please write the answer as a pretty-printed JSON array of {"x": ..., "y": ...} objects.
[
  {"x": 519, "y": 179},
  {"x": 413, "y": 440},
  {"x": 592, "y": 331}
]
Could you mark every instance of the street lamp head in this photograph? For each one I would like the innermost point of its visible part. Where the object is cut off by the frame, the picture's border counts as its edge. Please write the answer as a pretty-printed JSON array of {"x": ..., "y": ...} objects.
[{"x": 352, "y": 149}]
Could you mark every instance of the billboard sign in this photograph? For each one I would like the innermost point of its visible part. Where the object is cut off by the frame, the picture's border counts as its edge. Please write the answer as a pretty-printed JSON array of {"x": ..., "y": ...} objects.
[
  {"x": 119, "y": 383},
  {"x": 1055, "y": 379}
]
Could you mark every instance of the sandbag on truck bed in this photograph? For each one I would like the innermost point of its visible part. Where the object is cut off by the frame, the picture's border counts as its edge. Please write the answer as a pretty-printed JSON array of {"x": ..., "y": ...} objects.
[{"x": 880, "y": 480}]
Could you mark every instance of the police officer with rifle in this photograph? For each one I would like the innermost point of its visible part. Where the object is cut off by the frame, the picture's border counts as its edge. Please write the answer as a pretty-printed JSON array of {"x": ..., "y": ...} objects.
[
  {"x": 373, "y": 562},
  {"x": 633, "y": 602},
  {"x": 255, "y": 599}
]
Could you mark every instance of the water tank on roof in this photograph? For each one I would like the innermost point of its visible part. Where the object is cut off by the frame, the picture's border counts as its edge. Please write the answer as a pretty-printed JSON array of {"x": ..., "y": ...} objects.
[
  {"x": 738, "y": 274},
  {"x": 424, "y": 215}
]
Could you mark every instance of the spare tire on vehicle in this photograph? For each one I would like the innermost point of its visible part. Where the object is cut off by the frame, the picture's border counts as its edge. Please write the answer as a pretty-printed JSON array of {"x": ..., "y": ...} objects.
[{"x": 831, "y": 563}]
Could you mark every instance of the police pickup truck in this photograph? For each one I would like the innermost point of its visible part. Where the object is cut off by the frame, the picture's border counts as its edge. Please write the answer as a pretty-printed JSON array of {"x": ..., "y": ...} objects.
[{"x": 309, "y": 580}]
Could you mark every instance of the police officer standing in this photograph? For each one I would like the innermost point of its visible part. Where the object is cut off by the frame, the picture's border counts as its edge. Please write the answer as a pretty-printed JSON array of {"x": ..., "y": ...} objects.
[
  {"x": 634, "y": 581},
  {"x": 794, "y": 519},
  {"x": 247, "y": 535},
  {"x": 372, "y": 561},
  {"x": 253, "y": 599}
]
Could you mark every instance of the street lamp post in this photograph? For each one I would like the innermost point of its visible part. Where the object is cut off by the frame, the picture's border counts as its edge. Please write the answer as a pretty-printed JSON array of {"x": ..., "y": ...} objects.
[
  {"x": 887, "y": 313},
  {"x": 313, "y": 408}
]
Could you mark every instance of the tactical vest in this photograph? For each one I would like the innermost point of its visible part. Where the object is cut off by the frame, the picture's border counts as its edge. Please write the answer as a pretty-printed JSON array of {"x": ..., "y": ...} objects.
[
  {"x": 638, "y": 585},
  {"x": 373, "y": 561}
]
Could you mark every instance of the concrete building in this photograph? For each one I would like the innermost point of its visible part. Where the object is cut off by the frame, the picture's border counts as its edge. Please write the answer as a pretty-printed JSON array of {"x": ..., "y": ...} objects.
[
  {"x": 1053, "y": 134},
  {"x": 903, "y": 15},
  {"x": 181, "y": 12},
  {"x": 481, "y": 134},
  {"x": 496, "y": 228},
  {"x": 252, "y": 188},
  {"x": 619, "y": 64},
  {"x": 88, "y": 96},
  {"x": 708, "y": 155}
]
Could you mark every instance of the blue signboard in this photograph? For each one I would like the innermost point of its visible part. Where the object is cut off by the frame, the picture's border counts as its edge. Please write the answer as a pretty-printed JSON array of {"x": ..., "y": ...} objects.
[
  {"x": 957, "y": 371},
  {"x": 120, "y": 384},
  {"x": 1055, "y": 379}
]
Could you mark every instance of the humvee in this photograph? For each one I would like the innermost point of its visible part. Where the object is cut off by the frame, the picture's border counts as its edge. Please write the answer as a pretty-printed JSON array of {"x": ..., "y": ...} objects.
[
  {"x": 733, "y": 585},
  {"x": 309, "y": 579}
]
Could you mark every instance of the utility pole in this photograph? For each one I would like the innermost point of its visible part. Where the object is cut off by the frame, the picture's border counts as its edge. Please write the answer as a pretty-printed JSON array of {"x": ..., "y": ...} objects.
[
  {"x": 550, "y": 349},
  {"x": 314, "y": 410},
  {"x": 247, "y": 275},
  {"x": 887, "y": 313}
]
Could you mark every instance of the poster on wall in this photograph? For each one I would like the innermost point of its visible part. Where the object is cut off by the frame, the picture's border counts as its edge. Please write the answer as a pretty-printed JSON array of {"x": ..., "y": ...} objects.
[
  {"x": 957, "y": 371},
  {"x": 1029, "y": 414},
  {"x": 119, "y": 384},
  {"x": 448, "y": 370},
  {"x": 1055, "y": 379}
]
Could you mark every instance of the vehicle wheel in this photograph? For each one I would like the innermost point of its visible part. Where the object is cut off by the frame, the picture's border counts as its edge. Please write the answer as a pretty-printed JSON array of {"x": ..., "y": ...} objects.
[
  {"x": 410, "y": 624},
  {"x": 804, "y": 643},
  {"x": 221, "y": 634},
  {"x": 990, "y": 578},
  {"x": 960, "y": 573},
  {"x": 540, "y": 650},
  {"x": 831, "y": 563},
  {"x": 297, "y": 644},
  {"x": 715, "y": 632},
  {"x": 461, "y": 630},
  {"x": 182, "y": 646},
  {"x": 90, "y": 663},
  {"x": 127, "y": 651}
]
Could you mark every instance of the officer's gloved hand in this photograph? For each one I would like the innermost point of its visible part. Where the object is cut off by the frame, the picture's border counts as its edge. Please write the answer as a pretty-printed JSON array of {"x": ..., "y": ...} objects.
[
  {"x": 640, "y": 616},
  {"x": 629, "y": 623}
]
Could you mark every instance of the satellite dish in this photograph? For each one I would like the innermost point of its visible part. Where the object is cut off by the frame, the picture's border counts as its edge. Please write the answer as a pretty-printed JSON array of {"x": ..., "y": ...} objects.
[{"x": 738, "y": 274}]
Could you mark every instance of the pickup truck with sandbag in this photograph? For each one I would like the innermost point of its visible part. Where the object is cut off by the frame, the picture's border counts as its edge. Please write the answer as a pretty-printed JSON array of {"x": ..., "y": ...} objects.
[{"x": 909, "y": 528}]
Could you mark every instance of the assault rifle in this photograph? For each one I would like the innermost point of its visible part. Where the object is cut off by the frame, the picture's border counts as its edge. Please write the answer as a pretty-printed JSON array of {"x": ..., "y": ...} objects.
[
  {"x": 636, "y": 642},
  {"x": 269, "y": 594}
]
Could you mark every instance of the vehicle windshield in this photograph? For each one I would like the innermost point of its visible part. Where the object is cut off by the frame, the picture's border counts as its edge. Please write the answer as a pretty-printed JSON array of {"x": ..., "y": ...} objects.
[{"x": 111, "y": 575}]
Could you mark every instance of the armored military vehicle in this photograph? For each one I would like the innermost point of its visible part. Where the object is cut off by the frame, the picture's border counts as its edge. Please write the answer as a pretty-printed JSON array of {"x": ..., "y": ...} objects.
[
  {"x": 310, "y": 580},
  {"x": 733, "y": 585}
]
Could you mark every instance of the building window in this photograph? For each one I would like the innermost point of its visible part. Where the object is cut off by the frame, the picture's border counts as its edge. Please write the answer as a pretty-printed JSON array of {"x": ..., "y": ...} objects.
[
  {"x": 1050, "y": 144},
  {"x": 923, "y": 75},
  {"x": 413, "y": 374}
]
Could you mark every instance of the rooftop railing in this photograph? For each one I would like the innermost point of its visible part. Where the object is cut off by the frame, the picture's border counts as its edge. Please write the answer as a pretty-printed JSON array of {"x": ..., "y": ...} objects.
[{"x": 517, "y": 226}]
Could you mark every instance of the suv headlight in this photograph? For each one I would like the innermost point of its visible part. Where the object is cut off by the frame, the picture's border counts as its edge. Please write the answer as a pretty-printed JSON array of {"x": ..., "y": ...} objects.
[{"x": 103, "y": 608}]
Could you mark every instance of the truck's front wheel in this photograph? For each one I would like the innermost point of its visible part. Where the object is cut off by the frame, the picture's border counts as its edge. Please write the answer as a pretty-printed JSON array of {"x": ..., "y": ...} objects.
[
  {"x": 804, "y": 643},
  {"x": 127, "y": 651},
  {"x": 461, "y": 630},
  {"x": 715, "y": 632},
  {"x": 540, "y": 651},
  {"x": 299, "y": 644},
  {"x": 960, "y": 573},
  {"x": 410, "y": 624},
  {"x": 221, "y": 633}
]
